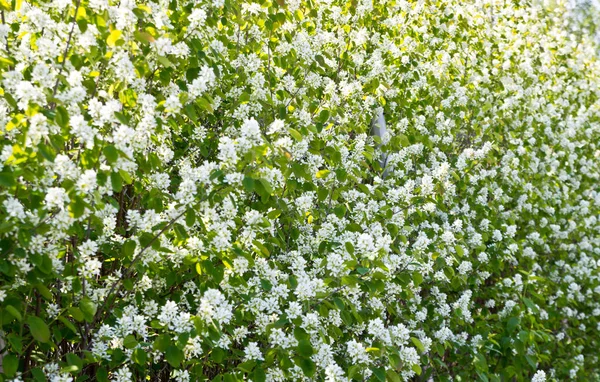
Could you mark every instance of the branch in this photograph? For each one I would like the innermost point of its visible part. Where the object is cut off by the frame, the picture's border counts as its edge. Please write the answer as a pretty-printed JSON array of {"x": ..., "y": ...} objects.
[
  {"x": 62, "y": 66},
  {"x": 129, "y": 269}
]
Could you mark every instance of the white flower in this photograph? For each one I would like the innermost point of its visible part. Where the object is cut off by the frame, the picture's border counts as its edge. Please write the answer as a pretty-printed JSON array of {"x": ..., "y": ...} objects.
[
  {"x": 122, "y": 375},
  {"x": 91, "y": 268},
  {"x": 227, "y": 151},
  {"x": 465, "y": 267},
  {"x": 56, "y": 197},
  {"x": 275, "y": 127},
  {"x": 87, "y": 182},
  {"x": 539, "y": 376},
  {"x": 448, "y": 238},
  {"x": 14, "y": 208},
  {"x": 357, "y": 352},
  {"x": 7, "y": 152},
  {"x": 180, "y": 375},
  {"x": 214, "y": 306},
  {"x": 252, "y": 352},
  {"x": 205, "y": 80},
  {"x": 197, "y": 18}
]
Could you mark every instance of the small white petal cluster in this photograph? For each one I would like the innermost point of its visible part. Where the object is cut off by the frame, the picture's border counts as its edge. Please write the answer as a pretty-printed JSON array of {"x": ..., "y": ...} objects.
[{"x": 300, "y": 190}]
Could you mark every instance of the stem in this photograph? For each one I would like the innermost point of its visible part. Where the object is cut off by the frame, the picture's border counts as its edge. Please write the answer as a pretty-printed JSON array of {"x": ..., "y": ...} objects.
[
  {"x": 269, "y": 74},
  {"x": 4, "y": 22},
  {"x": 62, "y": 66},
  {"x": 113, "y": 288}
]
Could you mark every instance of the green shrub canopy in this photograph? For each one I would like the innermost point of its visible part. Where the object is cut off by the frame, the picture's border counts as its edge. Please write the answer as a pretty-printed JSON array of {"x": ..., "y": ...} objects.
[{"x": 193, "y": 190}]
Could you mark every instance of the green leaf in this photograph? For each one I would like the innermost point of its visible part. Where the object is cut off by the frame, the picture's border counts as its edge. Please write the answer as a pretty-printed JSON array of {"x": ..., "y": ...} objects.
[
  {"x": 83, "y": 25},
  {"x": 14, "y": 312},
  {"x": 530, "y": 304},
  {"x": 379, "y": 373},
  {"x": 190, "y": 217},
  {"x": 308, "y": 366},
  {"x": 305, "y": 348},
  {"x": 76, "y": 313},
  {"x": 38, "y": 374},
  {"x": 244, "y": 97},
  {"x": 111, "y": 153},
  {"x": 218, "y": 355},
  {"x": 68, "y": 324},
  {"x": 143, "y": 37},
  {"x": 130, "y": 342},
  {"x": 47, "y": 152},
  {"x": 339, "y": 211},
  {"x": 102, "y": 375},
  {"x": 349, "y": 247},
  {"x": 39, "y": 329},
  {"x": 62, "y": 117},
  {"x": 71, "y": 368},
  {"x": 7, "y": 179},
  {"x": 74, "y": 360},
  {"x": 512, "y": 324},
  {"x": 339, "y": 303},
  {"x": 259, "y": 374},
  {"x": 266, "y": 186},
  {"x": 480, "y": 363},
  {"x": 460, "y": 252},
  {"x": 418, "y": 344},
  {"x": 204, "y": 104},
  {"x": 16, "y": 342},
  {"x": 349, "y": 280},
  {"x": 247, "y": 366},
  {"x": 116, "y": 181},
  {"x": 88, "y": 308},
  {"x": 139, "y": 356},
  {"x": 122, "y": 117},
  {"x": 162, "y": 343},
  {"x": 341, "y": 174},
  {"x": 417, "y": 278},
  {"x": 320, "y": 60},
  {"x": 164, "y": 61},
  {"x": 300, "y": 334},
  {"x": 266, "y": 284},
  {"x": 248, "y": 184},
  {"x": 180, "y": 231},
  {"x": 393, "y": 376},
  {"x": 126, "y": 177},
  {"x": 295, "y": 134},
  {"x": 174, "y": 356},
  {"x": 77, "y": 207},
  {"x": 324, "y": 116},
  {"x": 44, "y": 291},
  {"x": 274, "y": 214},
  {"x": 128, "y": 248},
  {"x": 264, "y": 250},
  {"x": 417, "y": 369},
  {"x": 10, "y": 363}
]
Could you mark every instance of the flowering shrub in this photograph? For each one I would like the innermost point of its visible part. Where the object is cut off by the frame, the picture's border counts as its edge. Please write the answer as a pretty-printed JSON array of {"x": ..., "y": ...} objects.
[{"x": 192, "y": 190}]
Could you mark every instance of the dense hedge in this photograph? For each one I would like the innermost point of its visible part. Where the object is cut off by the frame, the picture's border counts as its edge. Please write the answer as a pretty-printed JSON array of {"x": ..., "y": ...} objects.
[{"x": 192, "y": 190}]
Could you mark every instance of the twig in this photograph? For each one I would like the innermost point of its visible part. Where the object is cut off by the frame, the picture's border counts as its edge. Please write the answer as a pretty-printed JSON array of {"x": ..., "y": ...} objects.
[
  {"x": 4, "y": 22},
  {"x": 62, "y": 66},
  {"x": 128, "y": 271}
]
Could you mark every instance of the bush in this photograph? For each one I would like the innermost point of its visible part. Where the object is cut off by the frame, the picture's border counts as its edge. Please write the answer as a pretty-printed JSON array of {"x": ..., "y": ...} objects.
[{"x": 195, "y": 190}]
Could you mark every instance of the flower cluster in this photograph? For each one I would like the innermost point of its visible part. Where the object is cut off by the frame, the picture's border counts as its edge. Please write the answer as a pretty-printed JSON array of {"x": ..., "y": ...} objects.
[{"x": 299, "y": 190}]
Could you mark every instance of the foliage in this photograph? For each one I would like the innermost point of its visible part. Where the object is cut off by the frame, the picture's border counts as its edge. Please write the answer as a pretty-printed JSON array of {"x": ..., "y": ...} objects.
[{"x": 190, "y": 190}]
